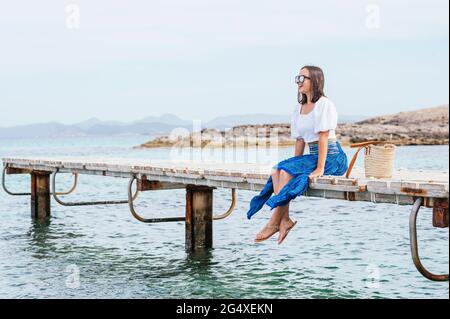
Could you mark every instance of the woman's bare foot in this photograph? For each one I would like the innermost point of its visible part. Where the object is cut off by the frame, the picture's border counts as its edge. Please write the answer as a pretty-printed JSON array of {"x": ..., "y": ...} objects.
[
  {"x": 285, "y": 226},
  {"x": 267, "y": 232}
]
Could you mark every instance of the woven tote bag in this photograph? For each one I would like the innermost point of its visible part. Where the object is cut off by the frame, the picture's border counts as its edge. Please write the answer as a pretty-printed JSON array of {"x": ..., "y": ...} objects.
[{"x": 378, "y": 161}]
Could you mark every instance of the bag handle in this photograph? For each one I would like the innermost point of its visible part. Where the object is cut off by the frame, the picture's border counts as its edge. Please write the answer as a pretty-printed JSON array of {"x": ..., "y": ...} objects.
[
  {"x": 366, "y": 143},
  {"x": 361, "y": 146}
]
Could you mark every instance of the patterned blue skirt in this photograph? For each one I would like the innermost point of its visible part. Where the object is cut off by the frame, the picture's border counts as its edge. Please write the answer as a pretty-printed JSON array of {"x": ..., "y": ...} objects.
[{"x": 300, "y": 167}]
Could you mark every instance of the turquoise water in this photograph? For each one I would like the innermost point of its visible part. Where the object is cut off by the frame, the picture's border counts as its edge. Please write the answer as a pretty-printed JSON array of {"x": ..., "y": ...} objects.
[{"x": 338, "y": 250}]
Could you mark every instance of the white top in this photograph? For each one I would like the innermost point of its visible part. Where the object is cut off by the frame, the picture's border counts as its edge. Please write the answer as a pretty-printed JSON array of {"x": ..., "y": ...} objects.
[{"x": 322, "y": 118}]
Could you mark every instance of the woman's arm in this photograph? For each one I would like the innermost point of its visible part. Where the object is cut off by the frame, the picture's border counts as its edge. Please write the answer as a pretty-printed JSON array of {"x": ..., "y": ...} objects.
[
  {"x": 323, "y": 150},
  {"x": 299, "y": 147}
]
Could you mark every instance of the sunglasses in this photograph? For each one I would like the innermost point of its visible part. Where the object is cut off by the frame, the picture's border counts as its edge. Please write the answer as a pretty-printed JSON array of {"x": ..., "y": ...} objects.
[{"x": 300, "y": 79}]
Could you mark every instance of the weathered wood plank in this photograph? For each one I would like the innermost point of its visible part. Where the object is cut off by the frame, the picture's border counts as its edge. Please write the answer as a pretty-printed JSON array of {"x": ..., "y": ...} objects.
[
  {"x": 145, "y": 185},
  {"x": 401, "y": 188},
  {"x": 40, "y": 195},
  {"x": 199, "y": 218}
]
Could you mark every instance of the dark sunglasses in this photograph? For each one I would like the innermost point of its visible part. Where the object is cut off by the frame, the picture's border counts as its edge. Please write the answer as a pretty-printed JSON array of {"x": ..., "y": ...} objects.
[{"x": 300, "y": 79}]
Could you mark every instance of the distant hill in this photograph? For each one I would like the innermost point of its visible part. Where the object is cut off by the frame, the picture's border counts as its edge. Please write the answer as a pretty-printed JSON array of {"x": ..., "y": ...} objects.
[
  {"x": 50, "y": 129},
  {"x": 95, "y": 127},
  {"x": 422, "y": 127},
  {"x": 95, "y": 121},
  {"x": 61, "y": 130},
  {"x": 431, "y": 116},
  {"x": 152, "y": 125},
  {"x": 168, "y": 119},
  {"x": 425, "y": 126}
]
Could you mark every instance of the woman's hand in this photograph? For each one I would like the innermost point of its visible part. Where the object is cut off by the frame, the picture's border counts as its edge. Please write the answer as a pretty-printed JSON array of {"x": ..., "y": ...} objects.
[{"x": 317, "y": 172}]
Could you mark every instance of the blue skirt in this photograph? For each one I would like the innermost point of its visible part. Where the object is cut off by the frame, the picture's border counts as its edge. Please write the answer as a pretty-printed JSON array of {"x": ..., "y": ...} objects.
[{"x": 299, "y": 167}]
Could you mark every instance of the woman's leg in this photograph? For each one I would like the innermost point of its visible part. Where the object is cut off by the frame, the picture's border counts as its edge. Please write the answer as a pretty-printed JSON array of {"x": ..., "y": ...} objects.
[
  {"x": 280, "y": 178},
  {"x": 275, "y": 180},
  {"x": 281, "y": 211},
  {"x": 285, "y": 221},
  {"x": 276, "y": 189}
]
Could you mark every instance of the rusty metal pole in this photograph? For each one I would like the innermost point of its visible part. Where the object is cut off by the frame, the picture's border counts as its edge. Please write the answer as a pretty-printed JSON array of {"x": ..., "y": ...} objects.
[
  {"x": 40, "y": 195},
  {"x": 440, "y": 213},
  {"x": 199, "y": 218},
  {"x": 415, "y": 246}
]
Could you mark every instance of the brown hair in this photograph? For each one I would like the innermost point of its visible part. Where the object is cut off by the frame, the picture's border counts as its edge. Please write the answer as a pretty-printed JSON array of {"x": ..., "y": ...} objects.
[{"x": 317, "y": 84}]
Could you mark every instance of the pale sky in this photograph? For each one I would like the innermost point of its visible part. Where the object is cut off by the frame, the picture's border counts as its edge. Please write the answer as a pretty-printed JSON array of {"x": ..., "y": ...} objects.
[{"x": 200, "y": 59}]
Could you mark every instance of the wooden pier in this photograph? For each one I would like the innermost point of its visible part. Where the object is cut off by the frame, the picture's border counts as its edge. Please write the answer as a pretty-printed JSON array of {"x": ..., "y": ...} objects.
[{"x": 418, "y": 188}]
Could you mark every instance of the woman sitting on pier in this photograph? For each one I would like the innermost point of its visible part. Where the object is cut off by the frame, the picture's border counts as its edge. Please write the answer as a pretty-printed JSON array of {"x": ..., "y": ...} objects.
[{"x": 313, "y": 121}]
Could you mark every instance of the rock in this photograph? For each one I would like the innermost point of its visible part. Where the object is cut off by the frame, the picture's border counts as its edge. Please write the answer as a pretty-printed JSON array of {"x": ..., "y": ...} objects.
[{"x": 423, "y": 127}]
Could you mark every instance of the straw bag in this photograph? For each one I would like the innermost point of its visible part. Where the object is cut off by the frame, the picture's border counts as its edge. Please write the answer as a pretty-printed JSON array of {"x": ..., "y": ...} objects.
[{"x": 378, "y": 160}]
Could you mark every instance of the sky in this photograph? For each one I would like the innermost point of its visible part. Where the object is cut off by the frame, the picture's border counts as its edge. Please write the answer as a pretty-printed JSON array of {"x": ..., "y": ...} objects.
[{"x": 68, "y": 61}]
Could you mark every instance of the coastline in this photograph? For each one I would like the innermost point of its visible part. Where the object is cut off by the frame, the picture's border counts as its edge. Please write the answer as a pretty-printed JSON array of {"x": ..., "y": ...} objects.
[
  {"x": 263, "y": 145},
  {"x": 422, "y": 127}
]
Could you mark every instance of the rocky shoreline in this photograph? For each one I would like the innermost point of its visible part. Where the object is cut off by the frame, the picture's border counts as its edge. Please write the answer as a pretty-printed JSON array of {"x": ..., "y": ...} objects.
[{"x": 423, "y": 127}]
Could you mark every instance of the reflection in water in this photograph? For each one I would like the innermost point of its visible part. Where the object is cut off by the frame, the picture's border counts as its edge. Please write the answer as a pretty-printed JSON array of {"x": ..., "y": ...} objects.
[
  {"x": 38, "y": 234},
  {"x": 200, "y": 263}
]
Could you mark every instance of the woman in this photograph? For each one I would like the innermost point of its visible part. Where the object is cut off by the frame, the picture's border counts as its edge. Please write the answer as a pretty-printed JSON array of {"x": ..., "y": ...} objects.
[{"x": 313, "y": 122}]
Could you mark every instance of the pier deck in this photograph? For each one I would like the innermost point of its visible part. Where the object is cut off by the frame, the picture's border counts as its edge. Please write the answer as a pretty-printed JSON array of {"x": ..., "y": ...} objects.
[
  {"x": 402, "y": 188},
  {"x": 200, "y": 178}
]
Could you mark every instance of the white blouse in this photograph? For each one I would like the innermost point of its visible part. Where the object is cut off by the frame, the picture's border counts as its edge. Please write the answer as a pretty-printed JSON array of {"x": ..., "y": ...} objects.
[{"x": 322, "y": 118}]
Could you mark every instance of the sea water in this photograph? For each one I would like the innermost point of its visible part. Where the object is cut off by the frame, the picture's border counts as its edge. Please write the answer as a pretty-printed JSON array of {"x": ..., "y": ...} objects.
[{"x": 338, "y": 249}]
